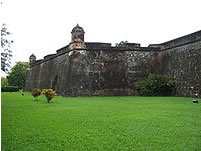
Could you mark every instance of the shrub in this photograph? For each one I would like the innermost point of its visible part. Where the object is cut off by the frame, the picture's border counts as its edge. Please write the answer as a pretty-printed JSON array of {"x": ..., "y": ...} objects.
[
  {"x": 49, "y": 93},
  {"x": 4, "y": 81},
  {"x": 10, "y": 89},
  {"x": 36, "y": 92},
  {"x": 156, "y": 85},
  {"x": 121, "y": 44}
]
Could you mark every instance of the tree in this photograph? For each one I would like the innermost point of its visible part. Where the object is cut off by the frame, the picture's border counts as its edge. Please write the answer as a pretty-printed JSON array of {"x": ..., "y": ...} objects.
[
  {"x": 4, "y": 81},
  {"x": 6, "y": 53},
  {"x": 18, "y": 74}
]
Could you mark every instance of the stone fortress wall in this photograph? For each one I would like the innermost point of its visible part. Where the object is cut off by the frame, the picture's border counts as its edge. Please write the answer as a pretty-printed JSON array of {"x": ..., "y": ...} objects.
[
  {"x": 181, "y": 58},
  {"x": 98, "y": 69}
]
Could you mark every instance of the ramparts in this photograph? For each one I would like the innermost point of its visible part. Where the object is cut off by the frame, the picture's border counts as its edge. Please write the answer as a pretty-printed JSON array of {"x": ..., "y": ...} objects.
[{"x": 98, "y": 69}]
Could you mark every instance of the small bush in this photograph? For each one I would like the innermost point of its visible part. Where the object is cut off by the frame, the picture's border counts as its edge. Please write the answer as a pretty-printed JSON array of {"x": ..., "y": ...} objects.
[
  {"x": 4, "y": 81},
  {"x": 156, "y": 85},
  {"x": 49, "y": 93},
  {"x": 10, "y": 89},
  {"x": 36, "y": 92}
]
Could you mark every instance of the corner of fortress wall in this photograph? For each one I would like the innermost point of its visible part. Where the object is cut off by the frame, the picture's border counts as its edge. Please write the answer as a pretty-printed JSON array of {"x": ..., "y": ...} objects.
[{"x": 181, "y": 59}]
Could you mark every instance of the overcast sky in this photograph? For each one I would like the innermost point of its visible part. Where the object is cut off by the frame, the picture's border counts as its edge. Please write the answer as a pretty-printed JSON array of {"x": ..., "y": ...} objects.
[{"x": 43, "y": 26}]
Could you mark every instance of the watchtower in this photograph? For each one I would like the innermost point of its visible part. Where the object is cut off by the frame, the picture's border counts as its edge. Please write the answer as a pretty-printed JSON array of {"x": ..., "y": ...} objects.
[
  {"x": 32, "y": 58},
  {"x": 77, "y": 34},
  {"x": 77, "y": 38}
]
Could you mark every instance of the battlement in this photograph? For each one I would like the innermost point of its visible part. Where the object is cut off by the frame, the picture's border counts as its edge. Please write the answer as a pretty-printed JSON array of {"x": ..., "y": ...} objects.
[
  {"x": 187, "y": 39},
  {"x": 99, "y": 46},
  {"x": 92, "y": 45},
  {"x": 95, "y": 47}
]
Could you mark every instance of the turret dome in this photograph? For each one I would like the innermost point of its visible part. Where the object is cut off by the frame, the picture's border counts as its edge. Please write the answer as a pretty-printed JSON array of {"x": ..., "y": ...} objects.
[{"x": 77, "y": 27}]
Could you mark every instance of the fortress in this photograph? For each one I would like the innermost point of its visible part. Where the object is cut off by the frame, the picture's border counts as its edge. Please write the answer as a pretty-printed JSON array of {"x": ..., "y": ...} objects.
[{"x": 98, "y": 69}]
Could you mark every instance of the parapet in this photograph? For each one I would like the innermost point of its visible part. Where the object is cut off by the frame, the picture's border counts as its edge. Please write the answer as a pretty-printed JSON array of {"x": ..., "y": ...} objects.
[
  {"x": 190, "y": 38},
  {"x": 63, "y": 50},
  {"x": 36, "y": 62},
  {"x": 99, "y": 46},
  {"x": 132, "y": 45},
  {"x": 49, "y": 56},
  {"x": 92, "y": 45}
]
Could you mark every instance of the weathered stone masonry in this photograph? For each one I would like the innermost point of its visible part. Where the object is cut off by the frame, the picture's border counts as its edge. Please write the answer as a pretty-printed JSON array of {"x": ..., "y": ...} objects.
[{"x": 98, "y": 69}]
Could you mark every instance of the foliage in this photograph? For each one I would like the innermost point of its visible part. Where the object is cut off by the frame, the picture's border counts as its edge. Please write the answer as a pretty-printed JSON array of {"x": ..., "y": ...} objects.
[
  {"x": 4, "y": 81},
  {"x": 121, "y": 44},
  {"x": 10, "y": 88},
  {"x": 49, "y": 93},
  {"x": 6, "y": 53},
  {"x": 36, "y": 92},
  {"x": 100, "y": 123},
  {"x": 18, "y": 74},
  {"x": 156, "y": 85}
]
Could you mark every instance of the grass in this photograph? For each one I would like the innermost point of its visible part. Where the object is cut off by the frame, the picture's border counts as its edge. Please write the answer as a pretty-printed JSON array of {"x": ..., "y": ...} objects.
[{"x": 100, "y": 123}]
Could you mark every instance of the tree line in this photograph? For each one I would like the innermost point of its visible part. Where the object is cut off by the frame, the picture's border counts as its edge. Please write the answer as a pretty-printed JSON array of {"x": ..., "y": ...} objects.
[{"x": 17, "y": 75}]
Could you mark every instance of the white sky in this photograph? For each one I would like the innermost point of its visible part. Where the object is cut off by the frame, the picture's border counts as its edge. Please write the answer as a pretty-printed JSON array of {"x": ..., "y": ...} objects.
[{"x": 43, "y": 26}]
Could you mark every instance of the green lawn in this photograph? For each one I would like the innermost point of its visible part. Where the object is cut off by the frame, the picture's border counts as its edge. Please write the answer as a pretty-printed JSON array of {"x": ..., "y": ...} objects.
[{"x": 100, "y": 123}]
